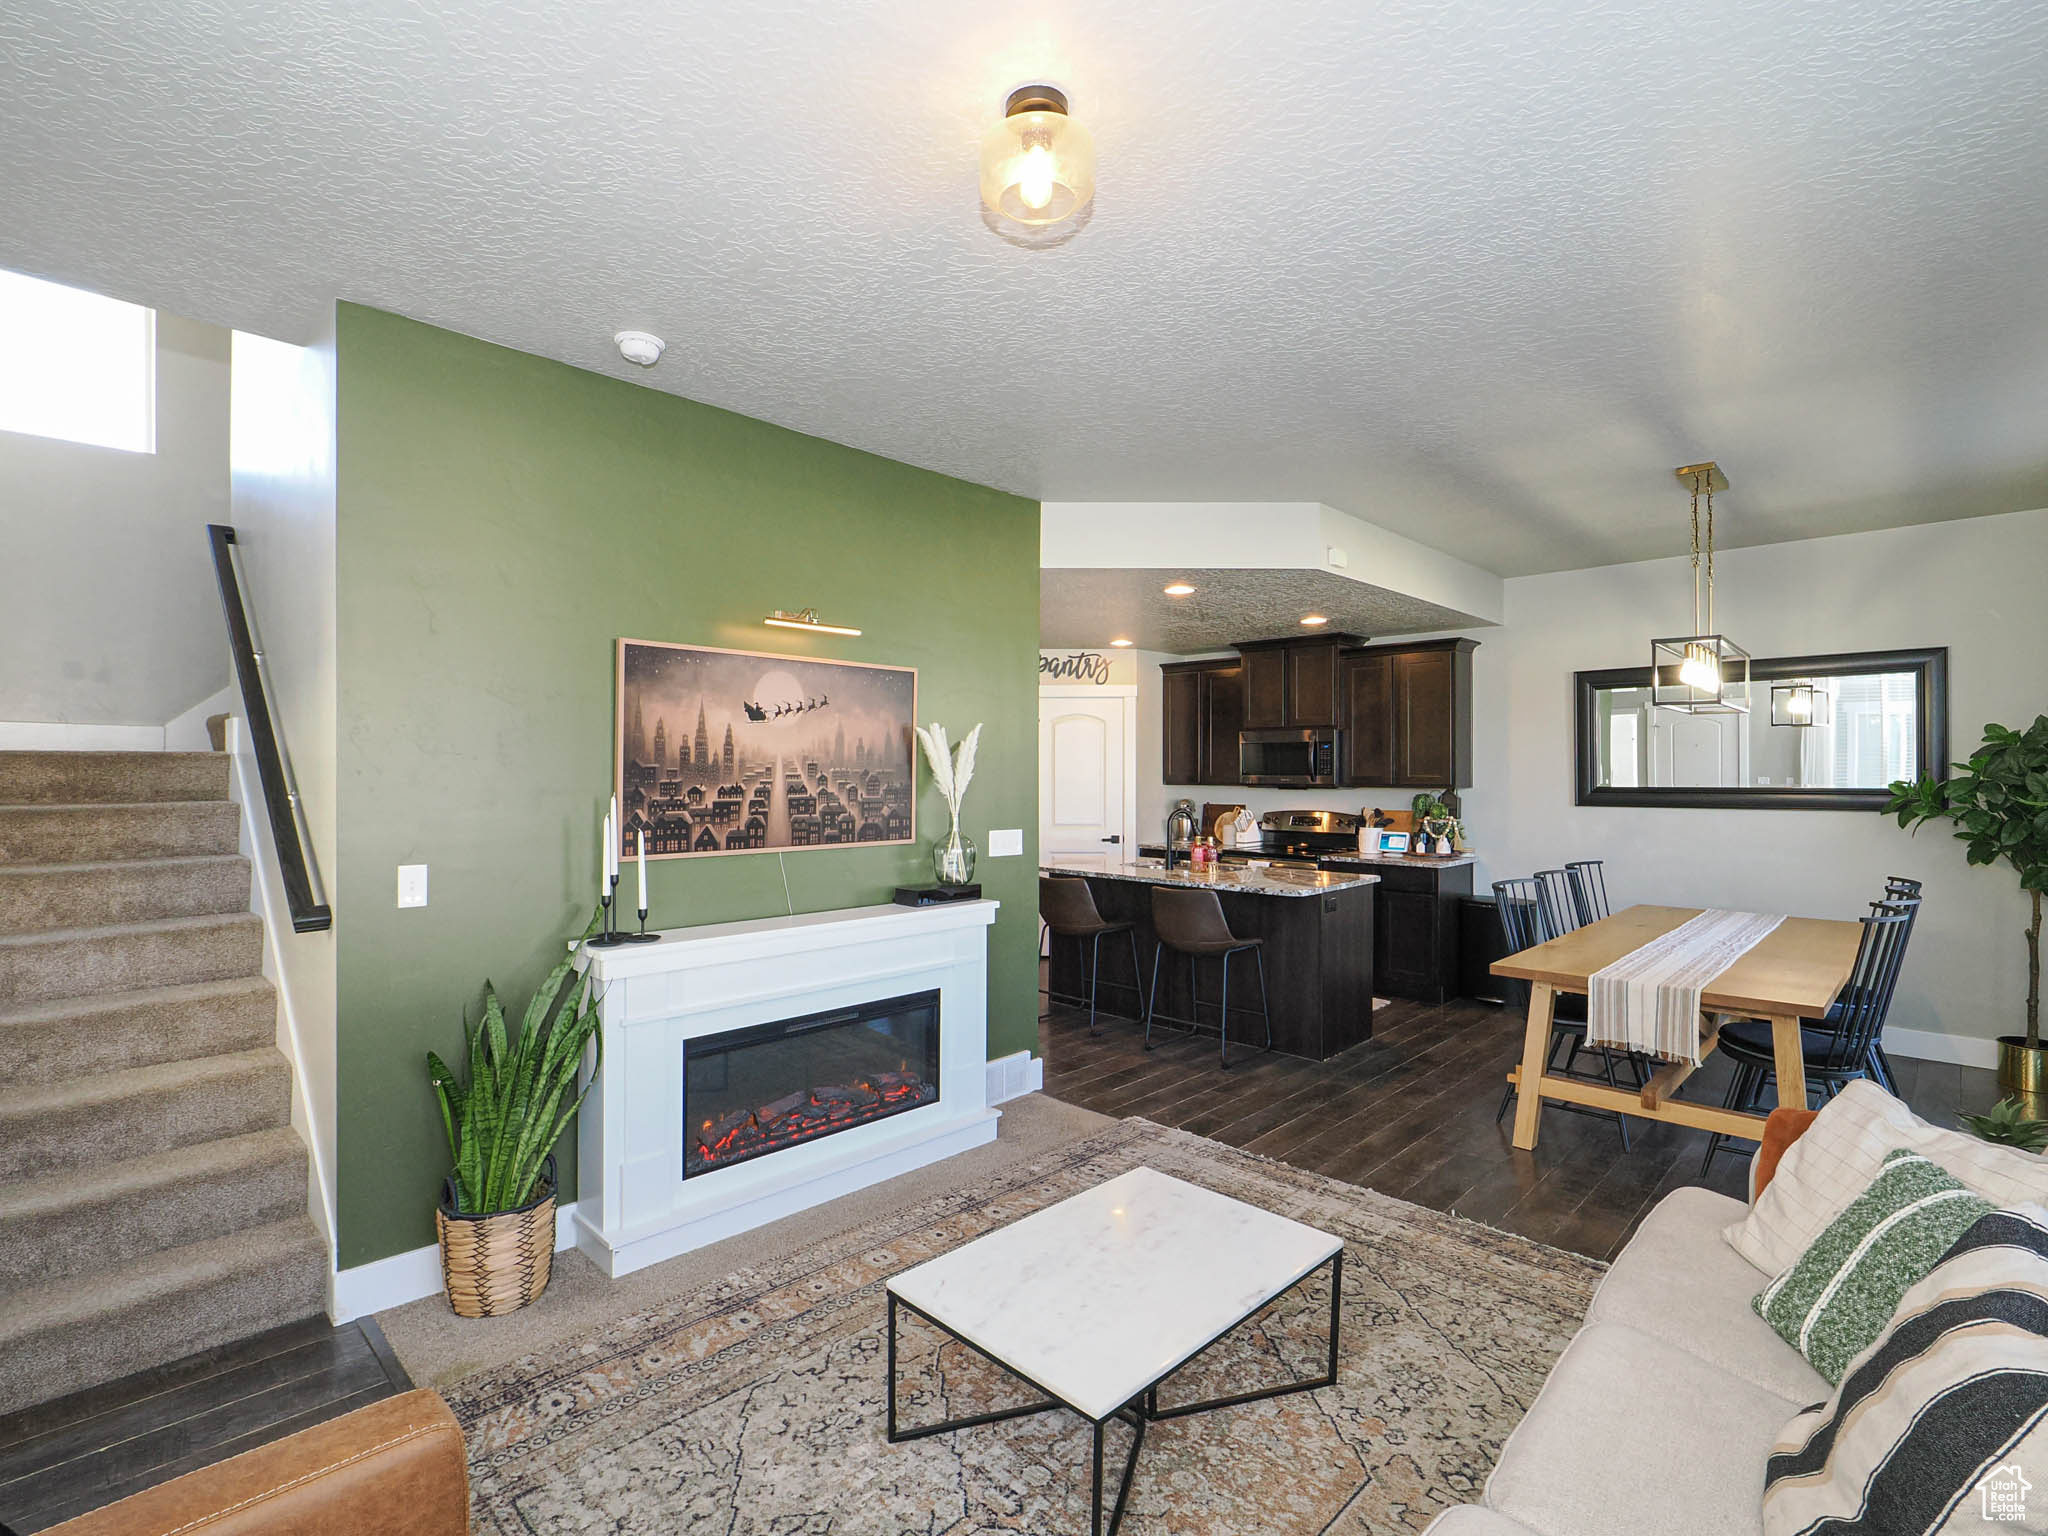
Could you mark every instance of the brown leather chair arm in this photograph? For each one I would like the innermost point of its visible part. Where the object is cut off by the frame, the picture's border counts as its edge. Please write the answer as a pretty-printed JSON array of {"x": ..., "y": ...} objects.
[
  {"x": 395, "y": 1468},
  {"x": 1784, "y": 1127}
]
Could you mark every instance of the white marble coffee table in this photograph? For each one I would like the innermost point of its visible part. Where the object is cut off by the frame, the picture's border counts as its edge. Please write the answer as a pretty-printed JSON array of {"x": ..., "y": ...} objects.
[{"x": 1097, "y": 1300}]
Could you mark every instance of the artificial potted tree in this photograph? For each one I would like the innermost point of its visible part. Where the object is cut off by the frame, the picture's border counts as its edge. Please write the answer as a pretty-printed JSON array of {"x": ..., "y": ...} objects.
[
  {"x": 496, "y": 1219},
  {"x": 1999, "y": 803}
]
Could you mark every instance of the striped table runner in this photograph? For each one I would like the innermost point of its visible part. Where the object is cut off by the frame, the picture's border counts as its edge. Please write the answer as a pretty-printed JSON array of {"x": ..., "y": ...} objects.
[{"x": 1649, "y": 999}]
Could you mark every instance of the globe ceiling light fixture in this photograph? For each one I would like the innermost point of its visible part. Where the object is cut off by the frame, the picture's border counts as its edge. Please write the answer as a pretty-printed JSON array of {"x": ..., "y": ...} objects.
[
  {"x": 1037, "y": 164},
  {"x": 1178, "y": 589},
  {"x": 1702, "y": 673}
]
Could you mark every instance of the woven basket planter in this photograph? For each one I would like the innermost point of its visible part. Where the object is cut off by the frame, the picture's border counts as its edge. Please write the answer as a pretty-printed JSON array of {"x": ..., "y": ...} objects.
[{"x": 491, "y": 1265}]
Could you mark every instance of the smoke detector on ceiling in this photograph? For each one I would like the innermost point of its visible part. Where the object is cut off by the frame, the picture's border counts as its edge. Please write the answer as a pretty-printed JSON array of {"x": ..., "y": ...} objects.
[{"x": 640, "y": 347}]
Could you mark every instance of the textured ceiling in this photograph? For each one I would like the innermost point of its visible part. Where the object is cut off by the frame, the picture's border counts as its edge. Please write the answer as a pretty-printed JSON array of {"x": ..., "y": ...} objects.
[
  {"x": 1086, "y": 609},
  {"x": 1479, "y": 270}
]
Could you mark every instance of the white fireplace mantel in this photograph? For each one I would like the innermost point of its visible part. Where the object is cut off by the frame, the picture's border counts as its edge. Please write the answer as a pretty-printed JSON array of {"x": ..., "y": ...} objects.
[{"x": 633, "y": 1205}]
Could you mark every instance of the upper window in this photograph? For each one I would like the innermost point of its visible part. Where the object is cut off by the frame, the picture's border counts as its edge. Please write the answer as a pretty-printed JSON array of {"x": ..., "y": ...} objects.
[{"x": 77, "y": 366}]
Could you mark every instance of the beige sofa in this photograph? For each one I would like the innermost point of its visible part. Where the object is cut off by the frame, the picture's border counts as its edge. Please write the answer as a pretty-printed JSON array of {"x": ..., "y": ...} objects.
[{"x": 1657, "y": 1418}]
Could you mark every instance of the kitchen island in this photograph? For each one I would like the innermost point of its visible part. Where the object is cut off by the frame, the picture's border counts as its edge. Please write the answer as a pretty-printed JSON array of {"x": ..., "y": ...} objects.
[
  {"x": 1416, "y": 938},
  {"x": 1416, "y": 950},
  {"x": 1318, "y": 931}
]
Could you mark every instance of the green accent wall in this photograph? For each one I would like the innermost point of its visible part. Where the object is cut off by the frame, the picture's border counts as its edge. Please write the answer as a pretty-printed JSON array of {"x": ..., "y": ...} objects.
[{"x": 501, "y": 521}]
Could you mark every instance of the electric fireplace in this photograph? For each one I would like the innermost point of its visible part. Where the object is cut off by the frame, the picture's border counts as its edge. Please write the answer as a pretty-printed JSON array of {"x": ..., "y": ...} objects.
[{"x": 749, "y": 1092}]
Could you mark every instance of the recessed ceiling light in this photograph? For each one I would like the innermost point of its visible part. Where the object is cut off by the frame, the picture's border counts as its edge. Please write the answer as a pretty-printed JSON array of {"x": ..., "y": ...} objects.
[
  {"x": 1313, "y": 619},
  {"x": 1178, "y": 589},
  {"x": 639, "y": 347},
  {"x": 1120, "y": 644}
]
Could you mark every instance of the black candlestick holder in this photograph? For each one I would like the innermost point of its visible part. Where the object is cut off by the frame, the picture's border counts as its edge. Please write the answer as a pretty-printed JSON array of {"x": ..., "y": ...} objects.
[
  {"x": 643, "y": 936},
  {"x": 608, "y": 932}
]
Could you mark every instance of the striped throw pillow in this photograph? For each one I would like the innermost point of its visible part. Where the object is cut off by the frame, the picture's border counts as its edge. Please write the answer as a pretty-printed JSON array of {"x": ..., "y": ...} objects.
[
  {"x": 1845, "y": 1287},
  {"x": 1840, "y": 1154},
  {"x": 1941, "y": 1426}
]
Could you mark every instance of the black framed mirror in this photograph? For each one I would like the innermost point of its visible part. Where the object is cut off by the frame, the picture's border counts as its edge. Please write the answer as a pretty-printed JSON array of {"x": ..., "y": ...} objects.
[{"x": 1823, "y": 733}]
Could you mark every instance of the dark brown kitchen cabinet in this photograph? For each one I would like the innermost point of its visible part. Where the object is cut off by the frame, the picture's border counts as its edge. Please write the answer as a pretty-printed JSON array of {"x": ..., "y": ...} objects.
[
  {"x": 1180, "y": 725},
  {"x": 1222, "y": 701},
  {"x": 1408, "y": 715},
  {"x": 1265, "y": 688},
  {"x": 1291, "y": 682},
  {"x": 1366, "y": 683},
  {"x": 1201, "y": 712},
  {"x": 1312, "y": 685},
  {"x": 1416, "y": 930},
  {"x": 1429, "y": 709}
]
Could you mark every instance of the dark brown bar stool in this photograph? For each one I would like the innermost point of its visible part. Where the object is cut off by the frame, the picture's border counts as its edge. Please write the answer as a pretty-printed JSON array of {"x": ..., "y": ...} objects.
[
  {"x": 1191, "y": 923},
  {"x": 1069, "y": 912}
]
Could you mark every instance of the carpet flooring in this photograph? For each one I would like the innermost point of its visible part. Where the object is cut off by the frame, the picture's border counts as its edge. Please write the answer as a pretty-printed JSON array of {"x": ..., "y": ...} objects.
[
  {"x": 753, "y": 1403},
  {"x": 438, "y": 1348}
]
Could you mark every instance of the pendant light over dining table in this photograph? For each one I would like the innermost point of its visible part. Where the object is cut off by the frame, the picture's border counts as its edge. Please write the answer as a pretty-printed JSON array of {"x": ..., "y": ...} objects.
[{"x": 1703, "y": 673}]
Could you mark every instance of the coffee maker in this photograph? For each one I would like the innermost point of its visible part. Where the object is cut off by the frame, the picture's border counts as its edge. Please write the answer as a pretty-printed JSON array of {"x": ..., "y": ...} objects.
[{"x": 1180, "y": 831}]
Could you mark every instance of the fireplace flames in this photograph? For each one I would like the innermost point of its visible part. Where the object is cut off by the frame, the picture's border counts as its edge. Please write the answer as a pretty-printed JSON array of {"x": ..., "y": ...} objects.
[{"x": 805, "y": 1116}]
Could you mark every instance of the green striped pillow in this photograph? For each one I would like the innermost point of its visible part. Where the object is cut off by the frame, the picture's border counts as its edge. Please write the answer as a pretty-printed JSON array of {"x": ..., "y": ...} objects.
[{"x": 1843, "y": 1290}]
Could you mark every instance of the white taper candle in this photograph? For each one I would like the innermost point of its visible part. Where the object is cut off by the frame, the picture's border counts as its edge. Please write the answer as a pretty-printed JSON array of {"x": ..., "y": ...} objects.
[
  {"x": 604, "y": 862},
  {"x": 641, "y": 833}
]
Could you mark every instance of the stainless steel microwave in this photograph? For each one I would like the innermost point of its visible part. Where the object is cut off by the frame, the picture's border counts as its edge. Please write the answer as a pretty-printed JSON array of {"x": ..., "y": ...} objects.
[{"x": 1292, "y": 759}]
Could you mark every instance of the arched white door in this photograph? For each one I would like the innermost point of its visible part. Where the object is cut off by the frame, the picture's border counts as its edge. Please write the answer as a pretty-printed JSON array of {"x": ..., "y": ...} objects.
[{"x": 1085, "y": 774}]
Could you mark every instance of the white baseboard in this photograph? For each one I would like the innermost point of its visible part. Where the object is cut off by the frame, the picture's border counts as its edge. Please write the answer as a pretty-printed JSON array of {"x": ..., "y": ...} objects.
[
  {"x": 56, "y": 736},
  {"x": 405, "y": 1277},
  {"x": 1926, "y": 1045},
  {"x": 1013, "y": 1076}
]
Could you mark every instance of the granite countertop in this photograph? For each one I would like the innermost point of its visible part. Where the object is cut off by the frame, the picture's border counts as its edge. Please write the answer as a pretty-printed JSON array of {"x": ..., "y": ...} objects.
[
  {"x": 1153, "y": 850},
  {"x": 1217, "y": 877},
  {"x": 1401, "y": 858}
]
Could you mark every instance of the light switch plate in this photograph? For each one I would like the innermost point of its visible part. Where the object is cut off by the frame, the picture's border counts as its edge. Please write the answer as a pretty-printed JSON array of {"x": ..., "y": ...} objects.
[
  {"x": 412, "y": 885},
  {"x": 1005, "y": 842}
]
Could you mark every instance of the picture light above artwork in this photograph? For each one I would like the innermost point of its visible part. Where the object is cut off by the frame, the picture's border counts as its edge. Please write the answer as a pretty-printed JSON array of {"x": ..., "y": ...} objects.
[{"x": 806, "y": 618}]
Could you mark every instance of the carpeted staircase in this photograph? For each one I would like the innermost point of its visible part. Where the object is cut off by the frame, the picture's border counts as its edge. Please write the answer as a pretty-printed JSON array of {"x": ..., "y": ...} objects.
[{"x": 152, "y": 1189}]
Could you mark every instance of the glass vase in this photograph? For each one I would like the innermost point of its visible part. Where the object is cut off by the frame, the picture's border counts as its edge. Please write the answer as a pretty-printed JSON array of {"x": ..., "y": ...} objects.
[{"x": 953, "y": 858}]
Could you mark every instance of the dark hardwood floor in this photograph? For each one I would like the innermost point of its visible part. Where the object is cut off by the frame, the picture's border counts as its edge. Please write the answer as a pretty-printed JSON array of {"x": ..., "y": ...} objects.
[
  {"x": 1410, "y": 1113},
  {"x": 62, "y": 1458}
]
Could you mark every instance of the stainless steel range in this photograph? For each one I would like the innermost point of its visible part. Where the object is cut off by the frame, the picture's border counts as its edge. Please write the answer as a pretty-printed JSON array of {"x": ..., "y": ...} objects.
[{"x": 1305, "y": 836}]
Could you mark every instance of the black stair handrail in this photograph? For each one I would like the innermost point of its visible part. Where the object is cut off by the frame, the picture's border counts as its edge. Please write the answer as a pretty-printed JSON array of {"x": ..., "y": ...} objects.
[{"x": 302, "y": 889}]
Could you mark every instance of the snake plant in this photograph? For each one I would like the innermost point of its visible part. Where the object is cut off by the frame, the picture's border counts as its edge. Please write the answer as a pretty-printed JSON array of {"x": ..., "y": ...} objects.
[{"x": 507, "y": 1117}]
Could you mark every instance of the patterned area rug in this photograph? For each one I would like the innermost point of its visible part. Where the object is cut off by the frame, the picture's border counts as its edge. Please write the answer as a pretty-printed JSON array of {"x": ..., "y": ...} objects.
[{"x": 755, "y": 1406}]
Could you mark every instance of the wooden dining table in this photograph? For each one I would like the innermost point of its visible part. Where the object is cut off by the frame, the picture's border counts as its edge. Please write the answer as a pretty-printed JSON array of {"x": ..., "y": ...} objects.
[{"x": 1795, "y": 972}]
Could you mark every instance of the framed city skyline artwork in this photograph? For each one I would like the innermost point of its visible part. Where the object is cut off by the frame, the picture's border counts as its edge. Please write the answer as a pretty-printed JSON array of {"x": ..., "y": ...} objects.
[{"x": 718, "y": 751}]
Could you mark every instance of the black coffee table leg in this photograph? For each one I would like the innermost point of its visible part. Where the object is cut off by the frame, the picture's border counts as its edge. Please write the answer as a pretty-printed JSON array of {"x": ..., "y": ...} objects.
[
  {"x": 897, "y": 1434},
  {"x": 1137, "y": 1412},
  {"x": 1335, "y": 1264},
  {"x": 1136, "y": 1419}
]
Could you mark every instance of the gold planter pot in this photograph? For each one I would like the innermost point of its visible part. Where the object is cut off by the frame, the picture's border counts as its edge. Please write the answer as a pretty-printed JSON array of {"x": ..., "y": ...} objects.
[{"x": 2022, "y": 1071}]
